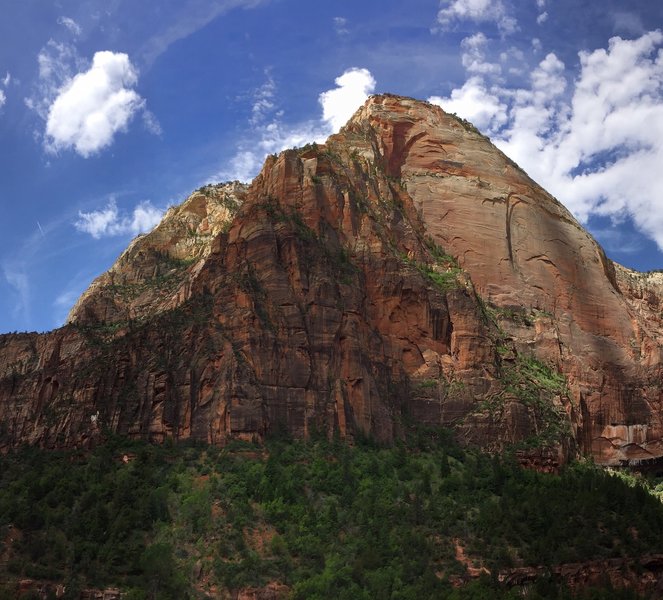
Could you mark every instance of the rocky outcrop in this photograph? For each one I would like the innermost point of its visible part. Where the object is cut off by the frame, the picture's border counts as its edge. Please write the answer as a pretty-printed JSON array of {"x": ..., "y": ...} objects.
[
  {"x": 643, "y": 576},
  {"x": 404, "y": 272},
  {"x": 154, "y": 273}
]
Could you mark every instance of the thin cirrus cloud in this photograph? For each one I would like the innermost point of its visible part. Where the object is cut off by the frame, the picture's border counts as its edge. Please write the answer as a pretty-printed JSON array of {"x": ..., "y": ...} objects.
[
  {"x": 188, "y": 17},
  {"x": 594, "y": 138},
  {"x": 338, "y": 104},
  {"x": 108, "y": 221}
]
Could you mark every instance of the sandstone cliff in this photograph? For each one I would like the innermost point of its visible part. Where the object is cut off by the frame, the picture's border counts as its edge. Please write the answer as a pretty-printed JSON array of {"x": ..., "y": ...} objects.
[{"x": 404, "y": 272}]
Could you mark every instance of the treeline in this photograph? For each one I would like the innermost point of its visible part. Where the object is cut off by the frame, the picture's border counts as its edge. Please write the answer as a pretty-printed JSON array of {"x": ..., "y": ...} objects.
[{"x": 320, "y": 519}]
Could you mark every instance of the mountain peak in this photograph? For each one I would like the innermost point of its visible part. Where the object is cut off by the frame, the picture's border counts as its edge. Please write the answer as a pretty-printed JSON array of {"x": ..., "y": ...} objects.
[{"x": 404, "y": 271}]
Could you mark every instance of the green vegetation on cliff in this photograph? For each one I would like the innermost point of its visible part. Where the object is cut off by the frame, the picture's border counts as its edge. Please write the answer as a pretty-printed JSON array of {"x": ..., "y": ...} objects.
[{"x": 321, "y": 519}]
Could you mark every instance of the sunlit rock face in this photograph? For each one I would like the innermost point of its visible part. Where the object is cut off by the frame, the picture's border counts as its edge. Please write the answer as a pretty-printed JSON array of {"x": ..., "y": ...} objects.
[{"x": 406, "y": 272}]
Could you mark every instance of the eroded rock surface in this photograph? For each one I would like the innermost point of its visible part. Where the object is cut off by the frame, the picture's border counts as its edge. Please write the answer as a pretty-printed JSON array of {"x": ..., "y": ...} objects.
[{"x": 404, "y": 272}]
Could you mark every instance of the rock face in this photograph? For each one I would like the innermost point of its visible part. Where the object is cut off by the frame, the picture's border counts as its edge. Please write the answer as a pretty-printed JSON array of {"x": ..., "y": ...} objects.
[
  {"x": 155, "y": 272},
  {"x": 404, "y": 272}
]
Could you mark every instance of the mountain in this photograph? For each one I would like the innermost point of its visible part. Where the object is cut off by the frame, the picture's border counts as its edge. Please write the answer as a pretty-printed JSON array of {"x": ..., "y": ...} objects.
[{"x": 405, "y": 272}]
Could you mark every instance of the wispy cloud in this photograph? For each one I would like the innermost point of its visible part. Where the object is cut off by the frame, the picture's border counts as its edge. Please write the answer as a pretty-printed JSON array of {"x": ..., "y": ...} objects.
[
  {"x": 17, "y": 278},
  {"x": 270, "y": 136},
  {"x": 191, "y": 16},
  {"x": 66, "y": 299},
  {"x": 341, "y": 26},
  {"x": 57, "y": 63},
  {"x": 151, "y": 122},
  {"x": 628, "y": 23},
  {"x": 71, "y": 25},
  {"x": 108, "y": 221},
  {"x": 263, "y": 100}
]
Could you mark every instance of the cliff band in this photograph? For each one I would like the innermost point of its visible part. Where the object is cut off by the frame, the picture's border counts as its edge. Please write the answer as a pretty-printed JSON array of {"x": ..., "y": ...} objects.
[{"x": 405, "y": 272}]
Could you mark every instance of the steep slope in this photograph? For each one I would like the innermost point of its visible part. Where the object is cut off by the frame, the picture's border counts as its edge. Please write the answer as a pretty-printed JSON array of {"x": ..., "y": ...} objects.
[
  {"x": 155, "y": 272},
  {"x": 525, "y": 252},
  {"x": 406, "y": 271}
]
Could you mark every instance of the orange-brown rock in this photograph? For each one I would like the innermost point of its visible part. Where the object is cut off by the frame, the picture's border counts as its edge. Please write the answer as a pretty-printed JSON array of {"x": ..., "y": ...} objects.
[
  {"x": 332, "y": 301},
  {"x": 154, "y": 273}
]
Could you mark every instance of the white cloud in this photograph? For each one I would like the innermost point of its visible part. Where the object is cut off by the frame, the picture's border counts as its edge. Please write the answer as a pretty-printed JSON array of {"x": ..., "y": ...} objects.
[
  {"x": 476, "y": 103},
  {"x": 3, "y": 98},
  {"x": 57, "y": 63},
  {"x": 473, "y": 56},
  {"x": 593, "y": 138},
  {"x": 71, "y": 25},
  {"x": 263, "y": 100},
  {"x": 338, "y": 105},
  {"x": 6, "y": 80},
  {"x": 109, "y": 222},
  {"x": 477, "y": 11},
  {"x": 93, "y": 106}
]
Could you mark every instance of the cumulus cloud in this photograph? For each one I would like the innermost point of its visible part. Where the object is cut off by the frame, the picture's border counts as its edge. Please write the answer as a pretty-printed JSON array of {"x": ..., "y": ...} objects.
[
  {"x": 93, "y": 106},
  {"x": 6, "y": 80},
  {"x": 84, "y": 105},
  {"x": 477, "y": 11},
  {"x": 338, "y": 104},
  {"x": 476, "y": 103},
  {"x": 3, "y": 98},
  {"x": 71, "y": 25},
  {"x": 109, "y": 222},
  {"x": 473, "y": 55},
  {"x": 593, "y": 138},
  {"x": 273, "y": 135}
]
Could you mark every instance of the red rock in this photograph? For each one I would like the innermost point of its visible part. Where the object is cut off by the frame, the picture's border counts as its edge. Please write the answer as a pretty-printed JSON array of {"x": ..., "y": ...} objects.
[{"x": 326, "y": 304}]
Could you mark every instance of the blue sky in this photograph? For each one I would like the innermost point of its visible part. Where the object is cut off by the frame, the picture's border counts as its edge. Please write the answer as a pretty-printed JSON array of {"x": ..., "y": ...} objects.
[{"x": 112, "y": 110}]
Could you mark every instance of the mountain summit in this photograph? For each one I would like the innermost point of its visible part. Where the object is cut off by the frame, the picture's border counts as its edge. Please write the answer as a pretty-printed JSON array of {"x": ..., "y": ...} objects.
[{"x": 405, "y": 272}]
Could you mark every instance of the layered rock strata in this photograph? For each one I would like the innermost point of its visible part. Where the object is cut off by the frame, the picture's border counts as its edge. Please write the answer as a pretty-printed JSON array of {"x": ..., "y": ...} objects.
[{"x": 405, "y": 272}]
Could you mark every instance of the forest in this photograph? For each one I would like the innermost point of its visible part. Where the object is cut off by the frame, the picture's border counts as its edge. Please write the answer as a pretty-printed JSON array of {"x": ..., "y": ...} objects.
[{"x": 315, "y": 519}]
